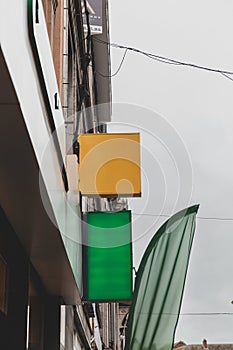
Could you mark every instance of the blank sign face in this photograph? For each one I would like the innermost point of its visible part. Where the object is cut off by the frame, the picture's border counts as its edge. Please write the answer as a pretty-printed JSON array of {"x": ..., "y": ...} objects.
[
  {"x": 109, "y": 165},
  {"x": 107, "y": 262}
]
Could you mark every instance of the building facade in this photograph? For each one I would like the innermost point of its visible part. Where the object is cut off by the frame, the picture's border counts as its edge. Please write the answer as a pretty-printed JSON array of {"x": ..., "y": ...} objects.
[{"x": 53, "y": 75}]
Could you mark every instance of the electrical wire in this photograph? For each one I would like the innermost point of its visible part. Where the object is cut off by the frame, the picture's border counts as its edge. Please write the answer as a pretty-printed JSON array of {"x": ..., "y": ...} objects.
[
  {"x": 206, "y": 313},
  {"x": 226, "y": 76},
  {"x": 118, "y": 69},
  {"x": 83, "y": 91},
  {"x": 198, "y": 217},
  {"x": 195, "y": 314},
  {"x": 163, "y": 59}
]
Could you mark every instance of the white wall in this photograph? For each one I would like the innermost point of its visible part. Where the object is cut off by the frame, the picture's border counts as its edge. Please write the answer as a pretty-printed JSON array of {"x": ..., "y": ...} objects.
[{"x": 17, "y": 51}]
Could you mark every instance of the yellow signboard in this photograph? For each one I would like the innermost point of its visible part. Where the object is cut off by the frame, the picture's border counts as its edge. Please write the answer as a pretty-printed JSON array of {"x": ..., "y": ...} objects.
[{"x": 109, "y": 165}]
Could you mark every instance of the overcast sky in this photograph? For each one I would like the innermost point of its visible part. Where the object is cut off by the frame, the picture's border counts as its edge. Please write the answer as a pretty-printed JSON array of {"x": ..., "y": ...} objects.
[{"x": 185, "y": 118}]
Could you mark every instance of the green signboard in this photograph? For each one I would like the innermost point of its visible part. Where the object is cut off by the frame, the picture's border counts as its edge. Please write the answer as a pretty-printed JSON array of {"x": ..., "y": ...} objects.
[{"x": 107, "y": 256}]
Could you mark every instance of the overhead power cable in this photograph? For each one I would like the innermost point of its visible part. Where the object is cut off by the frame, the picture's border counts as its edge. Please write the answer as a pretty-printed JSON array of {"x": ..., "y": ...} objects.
[
  {"x": 198, "y": 217},
  {"x": 206, "y": 313},
  {"x": 118, "y": 69},
  {"x": 226, "y": 76},
  {"x": 161, "y": 59},
  {"x": 198, "y": 314}
]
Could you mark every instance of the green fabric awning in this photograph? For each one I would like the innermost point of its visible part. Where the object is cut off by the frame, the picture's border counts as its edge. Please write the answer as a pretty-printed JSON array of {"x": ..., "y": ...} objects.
[{"x": 160, "y": 283}]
